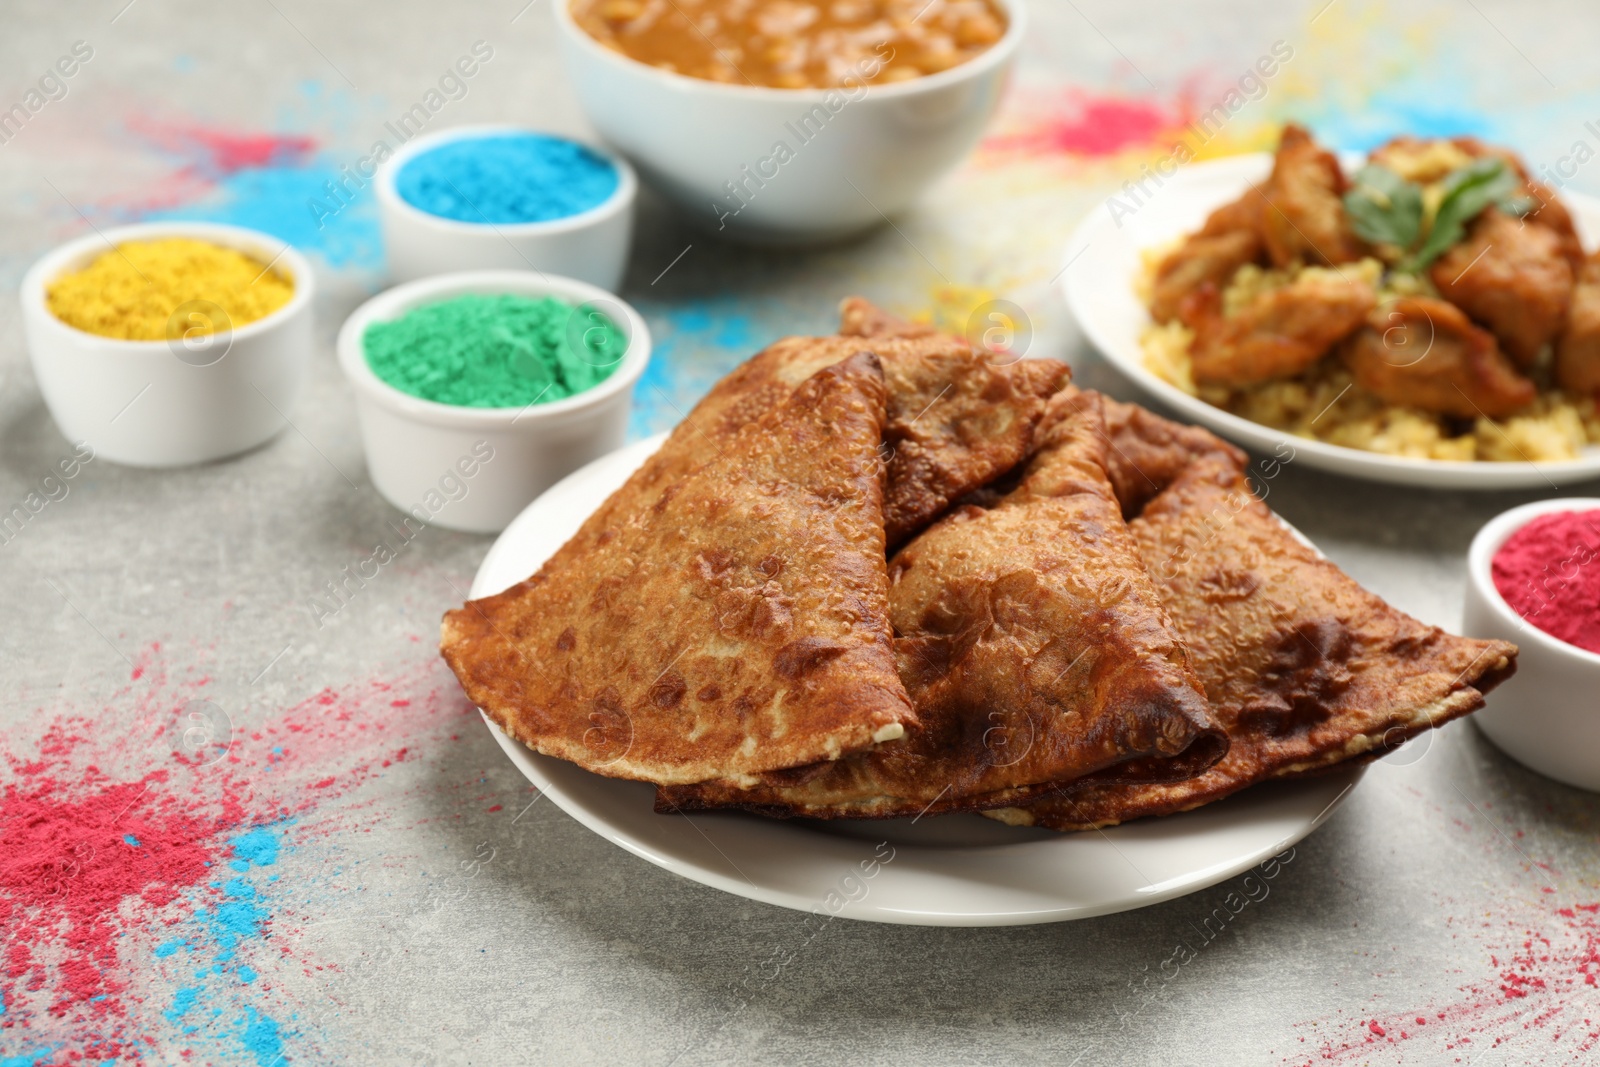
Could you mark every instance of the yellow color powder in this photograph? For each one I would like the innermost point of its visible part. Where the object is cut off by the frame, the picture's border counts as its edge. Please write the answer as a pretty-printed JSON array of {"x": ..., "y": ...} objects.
[{"x": 132, "y": 292}]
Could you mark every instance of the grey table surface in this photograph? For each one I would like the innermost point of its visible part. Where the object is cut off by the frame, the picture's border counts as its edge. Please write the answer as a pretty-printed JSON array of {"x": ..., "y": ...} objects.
[{"x": 419, "y": 909}]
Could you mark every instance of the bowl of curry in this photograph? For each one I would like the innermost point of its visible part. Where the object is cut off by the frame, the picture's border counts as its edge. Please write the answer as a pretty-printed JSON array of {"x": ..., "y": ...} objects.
[{"x": 790, "y": 123}]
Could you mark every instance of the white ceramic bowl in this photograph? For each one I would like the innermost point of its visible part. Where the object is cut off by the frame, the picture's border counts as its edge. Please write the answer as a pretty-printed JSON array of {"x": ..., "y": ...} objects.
[
  {"x": 168, "y": 404},
  {"x": 474, "y": 469},
  {"x": 860, "y": 161},
  {"x": 591, "y": 246},
  {"x": 1547, "y": 715}
]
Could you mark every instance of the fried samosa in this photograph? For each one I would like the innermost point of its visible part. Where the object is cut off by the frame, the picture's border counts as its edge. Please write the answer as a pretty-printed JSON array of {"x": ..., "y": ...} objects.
[
  {"x": 1034, "y": 649},
  {"x": 1304, "y": 668},
  {"x": 736, "y": 623},
  {"x": 958, "y": 417},
  {"x": 859, "y": 317},
  {"x": 1145, "y": 453}
]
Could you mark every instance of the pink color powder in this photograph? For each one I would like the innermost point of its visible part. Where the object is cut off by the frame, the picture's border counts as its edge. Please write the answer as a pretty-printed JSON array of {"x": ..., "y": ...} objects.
[
  {"x": 1093, "y": 126},
  {"x": 1549, "y": 572},
  {"x": 104, "y": 829}
]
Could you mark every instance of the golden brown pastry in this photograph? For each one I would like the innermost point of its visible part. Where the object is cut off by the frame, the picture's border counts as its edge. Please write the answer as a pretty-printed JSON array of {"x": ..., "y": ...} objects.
[
  {"x": 736, "y": 623},
  {"x": 1034, "y": 649},
  {"x": 1145, "y": 452},
  {"x": 859, "y": 317},
  {"x": 1303, "y": 667},
  {"x": 958, "y": 417}
]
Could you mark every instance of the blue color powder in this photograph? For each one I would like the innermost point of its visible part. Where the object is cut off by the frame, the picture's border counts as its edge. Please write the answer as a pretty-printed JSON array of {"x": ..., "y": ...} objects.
[
  {"x": 261, "y": 1038},
  {"x": 215, "y": 984},
  {"x": 507, "y": 178},
  {"x": 274, "y": 200},
  {"x": 258, "y": 846},
  {"x": 182, "y": 1001}
]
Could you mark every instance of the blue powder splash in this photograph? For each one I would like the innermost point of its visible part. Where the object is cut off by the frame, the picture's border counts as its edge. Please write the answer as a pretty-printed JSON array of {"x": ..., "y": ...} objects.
[
  {"x": 507, "y": 178},
  {"x": 208, "y": 1006},
  {"x": 694, "y": 346},
  {"x": 182, "y": 1001},
  {"x": 29, "y": 1059},
  {"x": 261, "y": 1038},
  {"x": 275, "y": 199},
  {"x": 259, "y": 846}
]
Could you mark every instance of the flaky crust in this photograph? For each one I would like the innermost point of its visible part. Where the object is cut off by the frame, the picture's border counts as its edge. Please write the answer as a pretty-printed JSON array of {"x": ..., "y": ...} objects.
[
  {"x": 1145, "y": 453},
  {"x": 735, "y": 623},
  {"x": 957, "y": 419},
  {"x": 859, "y": 317},
  {"x": 1034, "y": 648},
  {"x": 1303, "y": 667}
]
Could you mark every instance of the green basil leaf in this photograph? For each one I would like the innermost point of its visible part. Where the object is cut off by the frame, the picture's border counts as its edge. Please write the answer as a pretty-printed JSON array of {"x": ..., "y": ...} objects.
[
  {"x": 1467, "y": 191},
  {"x": 1383, "y": 207}
]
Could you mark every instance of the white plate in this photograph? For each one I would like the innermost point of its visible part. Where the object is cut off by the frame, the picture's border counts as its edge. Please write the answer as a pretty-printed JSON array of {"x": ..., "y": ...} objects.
[
  {"x": 1103, "y": 261},
  {"x": 958, "y": 870}
]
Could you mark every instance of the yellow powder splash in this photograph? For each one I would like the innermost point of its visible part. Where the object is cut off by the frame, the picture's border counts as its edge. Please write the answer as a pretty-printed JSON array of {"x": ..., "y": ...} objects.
[{"x": 131, "y": 293}]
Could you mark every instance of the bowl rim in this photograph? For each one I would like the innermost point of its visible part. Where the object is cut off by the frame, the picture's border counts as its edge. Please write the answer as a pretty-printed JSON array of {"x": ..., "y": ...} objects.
[
  {"x": 389, "y": 198},
  {"x": 351, "y": 352},
  {"x": 76, "y": 253},
  {"x": 1480, "y": 556},
  {"x": 995, "y": 55}
]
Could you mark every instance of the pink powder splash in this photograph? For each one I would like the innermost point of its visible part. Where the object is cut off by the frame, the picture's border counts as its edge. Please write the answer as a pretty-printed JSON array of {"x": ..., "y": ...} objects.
[
  {"x": 205, "y": 158},
  {"x": 1078, "y": 123},
  {"x": 1540, "y": 999},
  {"x": 218, "y": 153},
  {"x": 112, "y": 835}
]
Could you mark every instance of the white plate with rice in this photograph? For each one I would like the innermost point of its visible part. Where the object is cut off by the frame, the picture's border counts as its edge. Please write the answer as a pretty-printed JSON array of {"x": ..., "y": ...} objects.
[{"x": 1107, "y": 257}]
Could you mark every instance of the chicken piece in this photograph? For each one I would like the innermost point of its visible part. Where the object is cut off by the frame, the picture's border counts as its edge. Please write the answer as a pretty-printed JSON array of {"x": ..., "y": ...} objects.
[
  {"x": 1304, "y": 219},
  {"x": 1549, "y": 212},
  {"x": 1578, "y": 349},
  {"x": 1425, "y": 353},
  {"x": 1230, "y": 238},
  {"x": 1278, "y": 334},
  {"x": 1241, "y": 214},
  {"x": 1512, "y": 278}
]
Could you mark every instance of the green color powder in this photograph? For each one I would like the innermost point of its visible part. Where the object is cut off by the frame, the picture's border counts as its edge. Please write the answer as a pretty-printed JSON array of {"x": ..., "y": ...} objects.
[{"x": 495, "y": 351}]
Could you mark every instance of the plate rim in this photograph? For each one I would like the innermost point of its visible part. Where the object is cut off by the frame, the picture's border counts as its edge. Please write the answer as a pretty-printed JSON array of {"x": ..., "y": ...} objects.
[
  {"x": 531, "y": 765},
  {"x": 1322, "y": 455}
]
